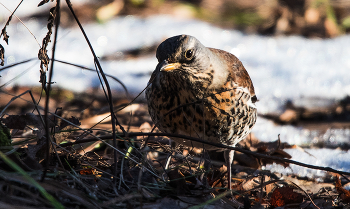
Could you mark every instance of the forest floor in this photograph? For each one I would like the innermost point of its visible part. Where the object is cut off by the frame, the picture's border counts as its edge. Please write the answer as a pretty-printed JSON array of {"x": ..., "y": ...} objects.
[
  {"x": 84, "y": 167},
  {"x": 80, "y": 167}
]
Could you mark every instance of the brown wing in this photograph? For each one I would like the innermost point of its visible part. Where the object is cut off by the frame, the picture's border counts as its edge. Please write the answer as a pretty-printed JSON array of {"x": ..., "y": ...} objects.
[{"x": 238, "y": 73}]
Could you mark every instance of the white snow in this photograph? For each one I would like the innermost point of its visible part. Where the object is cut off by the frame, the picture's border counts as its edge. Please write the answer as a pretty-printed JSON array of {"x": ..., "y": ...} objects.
[{"x": 334, "y": 158}]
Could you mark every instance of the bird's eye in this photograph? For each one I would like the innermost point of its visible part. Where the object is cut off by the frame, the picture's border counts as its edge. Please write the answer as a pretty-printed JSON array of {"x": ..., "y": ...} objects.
[{"x": 189, "y": 54}]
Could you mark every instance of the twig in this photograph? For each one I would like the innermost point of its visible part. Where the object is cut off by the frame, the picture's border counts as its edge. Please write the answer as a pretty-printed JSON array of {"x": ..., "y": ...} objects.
[
  {"x": 47, "y": 99},
  {"x": 17, "y": 63},
  {"x": 89, "y": 69},
  {"x": 109, "y": 97},
  {"x": 19, "y": 96},
  {"x": 258, "y": 155},
  {"x": 67, "y": 63},
  {"x": 18, "y": 76},
  {"x": 21, "y": 21},
  {"x": 304, "y": 193},
  {"x": 3, "y": 31}
]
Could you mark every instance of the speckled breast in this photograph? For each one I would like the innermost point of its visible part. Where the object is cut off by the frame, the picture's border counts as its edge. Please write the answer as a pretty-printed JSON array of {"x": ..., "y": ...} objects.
[{"x": 220, "y": 116}]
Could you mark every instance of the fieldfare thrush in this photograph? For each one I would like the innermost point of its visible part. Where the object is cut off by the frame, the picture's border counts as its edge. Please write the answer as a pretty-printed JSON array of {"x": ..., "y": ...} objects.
[{"x": 201, "y": 92}]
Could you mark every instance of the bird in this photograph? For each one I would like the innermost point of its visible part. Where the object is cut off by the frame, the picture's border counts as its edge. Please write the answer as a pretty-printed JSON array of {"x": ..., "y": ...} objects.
[{"x": 201, "y": 92}]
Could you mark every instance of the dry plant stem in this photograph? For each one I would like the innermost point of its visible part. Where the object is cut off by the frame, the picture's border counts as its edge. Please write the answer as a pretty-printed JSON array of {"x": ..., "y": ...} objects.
[
  {"x": 47, "y": 99},
  {"x": 72, "y": 64},
  {"x": 258, "y": 155},
  {"x": 16, "y": 97},
  {"x": 21, "y": 22},
  {"x": 109, "y": 98},
  {"x": 3, "y": 32},
  {"x": 345, "y": 177},
  {"x": 18, "y": 75},
  {"x": 94, "y": 137},
  {"x": 17, "y": 63},
  {"x": 86, "y": 68}
]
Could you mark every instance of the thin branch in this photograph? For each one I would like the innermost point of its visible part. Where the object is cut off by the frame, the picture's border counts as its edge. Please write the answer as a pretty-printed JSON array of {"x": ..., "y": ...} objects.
[
  {"x": 109, "y": 98},
  {"x": 86, "y": 68},
  {"x": 22, "y": 23},
  {"x": 257, "y": 155},
  {"x": 72, "y": 64},
  {"x": 18, "y": 76},
  {"x": 3, "y": 31}
]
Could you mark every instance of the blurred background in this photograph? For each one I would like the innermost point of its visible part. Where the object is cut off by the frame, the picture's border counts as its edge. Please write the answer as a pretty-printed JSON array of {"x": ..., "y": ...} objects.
[{"x": 296, "y": 52}]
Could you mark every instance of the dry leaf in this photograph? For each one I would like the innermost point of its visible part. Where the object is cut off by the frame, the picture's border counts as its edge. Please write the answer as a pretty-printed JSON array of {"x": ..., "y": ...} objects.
[{"x": 285, "y": 195}]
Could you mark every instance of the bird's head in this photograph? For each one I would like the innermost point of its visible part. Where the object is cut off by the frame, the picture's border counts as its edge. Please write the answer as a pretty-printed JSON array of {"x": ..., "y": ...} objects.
[{"x": 182, "y": 54}]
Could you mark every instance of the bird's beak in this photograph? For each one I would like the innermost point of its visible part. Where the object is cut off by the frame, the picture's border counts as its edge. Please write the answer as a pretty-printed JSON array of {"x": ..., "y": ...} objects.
[{"x": 166, "y": 66}]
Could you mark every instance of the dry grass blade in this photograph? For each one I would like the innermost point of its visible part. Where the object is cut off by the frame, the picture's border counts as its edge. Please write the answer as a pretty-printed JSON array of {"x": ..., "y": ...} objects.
[{"x": 304, "y": 193}]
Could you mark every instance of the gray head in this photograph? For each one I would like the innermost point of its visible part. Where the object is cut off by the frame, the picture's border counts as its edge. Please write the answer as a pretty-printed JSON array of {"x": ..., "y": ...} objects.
[{"x": 183, "y": 53}]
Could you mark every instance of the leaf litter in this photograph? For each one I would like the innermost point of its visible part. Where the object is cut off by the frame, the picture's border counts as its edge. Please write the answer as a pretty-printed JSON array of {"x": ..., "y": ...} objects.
[{"x": 80, "y": 175}]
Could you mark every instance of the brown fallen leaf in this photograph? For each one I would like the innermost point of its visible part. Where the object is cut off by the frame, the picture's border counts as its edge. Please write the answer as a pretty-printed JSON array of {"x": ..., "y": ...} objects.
[{"x": 285, "y": 195}]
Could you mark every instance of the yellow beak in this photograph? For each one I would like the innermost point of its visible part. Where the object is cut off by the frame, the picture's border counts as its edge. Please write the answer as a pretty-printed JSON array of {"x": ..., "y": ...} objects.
[{"x": 165, "y": 66}]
